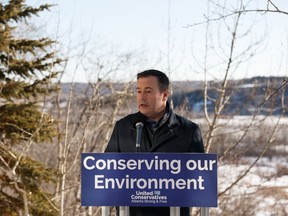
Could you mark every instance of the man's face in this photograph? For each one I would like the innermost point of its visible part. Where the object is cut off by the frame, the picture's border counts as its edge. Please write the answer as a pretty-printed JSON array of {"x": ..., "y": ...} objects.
[{"x": 151, "y": 102}]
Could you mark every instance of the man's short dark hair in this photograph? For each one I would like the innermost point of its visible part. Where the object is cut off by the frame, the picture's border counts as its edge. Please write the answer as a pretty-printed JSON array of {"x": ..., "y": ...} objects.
[{"x": 163, "y": 80}]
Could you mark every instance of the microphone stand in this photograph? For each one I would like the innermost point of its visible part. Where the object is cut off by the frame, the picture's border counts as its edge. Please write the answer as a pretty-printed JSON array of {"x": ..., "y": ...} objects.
[{"x": 124, "y": 210}]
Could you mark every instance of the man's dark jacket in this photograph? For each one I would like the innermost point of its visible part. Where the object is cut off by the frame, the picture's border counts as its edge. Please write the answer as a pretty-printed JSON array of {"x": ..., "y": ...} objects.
[{"x": 176, "y": 135}]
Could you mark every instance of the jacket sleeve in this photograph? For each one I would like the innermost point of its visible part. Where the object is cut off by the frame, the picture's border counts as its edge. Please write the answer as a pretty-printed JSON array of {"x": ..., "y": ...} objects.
[
  {"x": 197, "y": 141},
  {"x": 113, "y": 144}
]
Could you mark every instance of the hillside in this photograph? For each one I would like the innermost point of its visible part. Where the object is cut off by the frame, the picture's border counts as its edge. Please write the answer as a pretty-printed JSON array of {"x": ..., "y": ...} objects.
[{"x": 244, "y": 97}]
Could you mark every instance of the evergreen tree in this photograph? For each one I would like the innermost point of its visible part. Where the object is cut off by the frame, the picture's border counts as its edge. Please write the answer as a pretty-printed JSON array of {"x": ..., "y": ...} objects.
[{"x": 26, "y": 70}]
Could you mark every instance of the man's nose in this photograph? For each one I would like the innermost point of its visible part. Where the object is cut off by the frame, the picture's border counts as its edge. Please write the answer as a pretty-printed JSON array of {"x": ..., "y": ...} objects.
[{"x": 142, "y": 96}]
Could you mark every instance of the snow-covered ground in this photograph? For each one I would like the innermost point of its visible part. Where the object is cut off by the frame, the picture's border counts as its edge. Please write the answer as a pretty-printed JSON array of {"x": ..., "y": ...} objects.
[
  {"x": 263, "y": 183},
  {"x": 263, "y": 190}
]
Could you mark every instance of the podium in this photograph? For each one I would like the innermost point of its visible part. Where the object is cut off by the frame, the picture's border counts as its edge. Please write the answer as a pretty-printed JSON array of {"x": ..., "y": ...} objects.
[
  {"x": 174, "y": 211},
  {"x": 145, "y": 179}
]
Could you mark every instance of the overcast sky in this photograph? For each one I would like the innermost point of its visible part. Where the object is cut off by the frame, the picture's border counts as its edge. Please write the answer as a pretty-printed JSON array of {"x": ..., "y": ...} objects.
[{"x": 134, "y": 25}]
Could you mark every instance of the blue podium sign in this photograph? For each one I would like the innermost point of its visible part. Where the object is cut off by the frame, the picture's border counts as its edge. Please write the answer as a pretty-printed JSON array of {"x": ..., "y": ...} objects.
[{"x": 145, "y": 179}]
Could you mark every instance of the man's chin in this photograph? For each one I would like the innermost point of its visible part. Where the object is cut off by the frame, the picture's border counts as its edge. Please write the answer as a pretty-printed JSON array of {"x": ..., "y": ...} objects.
[{"x": 144, "y": 112}]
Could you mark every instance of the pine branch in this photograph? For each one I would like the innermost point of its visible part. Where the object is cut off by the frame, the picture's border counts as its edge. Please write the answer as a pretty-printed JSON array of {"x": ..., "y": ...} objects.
[{"x": 17, "y": 11}]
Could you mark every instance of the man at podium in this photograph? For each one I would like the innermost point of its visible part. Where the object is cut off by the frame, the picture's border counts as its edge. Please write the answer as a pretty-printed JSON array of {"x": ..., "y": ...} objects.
[{"x": 155, "y": 128}]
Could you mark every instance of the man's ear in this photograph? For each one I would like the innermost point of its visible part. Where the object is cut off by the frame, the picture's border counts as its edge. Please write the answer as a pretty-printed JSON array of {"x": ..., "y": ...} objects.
[{"x": 166, "y": 94}]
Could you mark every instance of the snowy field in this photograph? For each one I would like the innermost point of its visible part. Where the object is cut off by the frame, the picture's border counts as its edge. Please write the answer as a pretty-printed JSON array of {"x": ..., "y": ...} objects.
[
  {"x": 261, "y": 189},
  {"x": 262, "y": 192}
]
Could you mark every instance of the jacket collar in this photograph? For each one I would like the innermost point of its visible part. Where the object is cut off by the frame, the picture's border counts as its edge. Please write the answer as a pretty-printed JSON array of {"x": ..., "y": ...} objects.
[{"x": 172, "y": 121}]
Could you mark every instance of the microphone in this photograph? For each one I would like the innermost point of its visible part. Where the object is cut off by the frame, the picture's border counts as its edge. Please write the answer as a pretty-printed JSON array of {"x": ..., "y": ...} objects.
[{"x": 139, "y": 127}]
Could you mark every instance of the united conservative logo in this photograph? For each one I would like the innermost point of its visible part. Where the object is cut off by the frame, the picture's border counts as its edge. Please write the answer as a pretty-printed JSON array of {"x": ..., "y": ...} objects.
[{"x": 153, "y": 197}]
